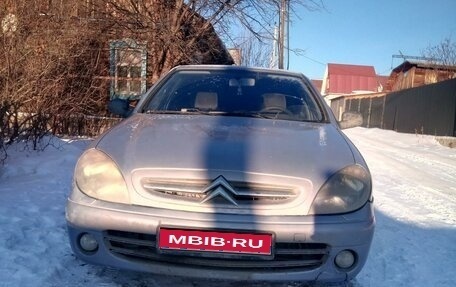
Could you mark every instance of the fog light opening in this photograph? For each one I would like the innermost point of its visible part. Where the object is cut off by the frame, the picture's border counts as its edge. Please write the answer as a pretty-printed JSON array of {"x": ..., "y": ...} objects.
[
  {"x": 88, "y": 243},
  {"x": 345, "y": 259}
]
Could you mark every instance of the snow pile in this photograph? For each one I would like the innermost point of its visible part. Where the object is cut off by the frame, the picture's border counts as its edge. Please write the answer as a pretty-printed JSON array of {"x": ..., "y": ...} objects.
[
  {"x": 414, "y": 190},
  {"x": 415, "y": 199},
  {"x": 33, "y": 191}
]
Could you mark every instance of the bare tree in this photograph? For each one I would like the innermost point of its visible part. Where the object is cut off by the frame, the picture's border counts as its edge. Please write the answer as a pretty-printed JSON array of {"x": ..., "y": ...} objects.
[
  {"x": 175, "y": 31},
  {"x": 258, "y": 21},
  {"x": 54, "y": 59},
  {"x": 443, "y": 54},
  {"x": 255, "y": 52},
  {"x": 183, "y": 31},
  {"x": 442, "y": 60},
  {"x": 47, "y": 70}
]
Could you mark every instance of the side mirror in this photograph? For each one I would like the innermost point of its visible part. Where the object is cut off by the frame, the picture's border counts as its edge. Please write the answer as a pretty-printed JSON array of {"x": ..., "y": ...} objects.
[
  {"x": 120, "y": 107},
  {"x": 351, "y": 120}
]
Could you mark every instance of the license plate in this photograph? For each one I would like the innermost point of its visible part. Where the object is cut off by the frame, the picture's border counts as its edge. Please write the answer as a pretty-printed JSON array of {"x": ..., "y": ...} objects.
[{"x": 215, "y": 241}]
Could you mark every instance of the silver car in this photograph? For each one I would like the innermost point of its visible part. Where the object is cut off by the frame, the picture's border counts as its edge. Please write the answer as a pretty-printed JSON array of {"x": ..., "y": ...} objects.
[{"x": 225, "y": 172}]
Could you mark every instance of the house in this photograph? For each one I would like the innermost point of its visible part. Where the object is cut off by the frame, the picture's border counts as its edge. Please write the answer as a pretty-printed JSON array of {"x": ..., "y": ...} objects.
[
  {"x": 317, "y": 84},
  {"x": 344, "y": 79},
  {"x": 119, "y": 47},
  {"x": 411, "y": 74}
]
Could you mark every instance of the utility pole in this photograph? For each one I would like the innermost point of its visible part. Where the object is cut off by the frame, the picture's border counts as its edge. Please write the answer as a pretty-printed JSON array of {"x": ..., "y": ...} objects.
[
  {"x": 273, "y": 64},
  {"x": 282, "y": 28}
]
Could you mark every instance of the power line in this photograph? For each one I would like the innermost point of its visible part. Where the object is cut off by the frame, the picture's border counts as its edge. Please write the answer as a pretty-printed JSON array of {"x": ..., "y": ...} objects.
[{"x": 313, "y": 60}]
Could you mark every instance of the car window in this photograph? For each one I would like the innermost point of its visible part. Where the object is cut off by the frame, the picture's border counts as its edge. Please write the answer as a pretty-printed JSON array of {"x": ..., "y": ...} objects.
[{"x": 238, "y": 93}]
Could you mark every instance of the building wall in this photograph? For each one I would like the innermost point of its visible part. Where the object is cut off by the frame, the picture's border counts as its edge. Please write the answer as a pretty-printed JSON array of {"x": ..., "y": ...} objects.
[{"x": 417, "y": 77}]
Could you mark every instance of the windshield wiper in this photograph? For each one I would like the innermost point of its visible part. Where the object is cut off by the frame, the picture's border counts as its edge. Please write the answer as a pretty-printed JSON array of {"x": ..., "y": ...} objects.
[
  {"x": 189, "y": 111},
  {"x": 193, "y": 111},
  {"x": 161, "y": 112},
  {"x": 243, "y": 114}
]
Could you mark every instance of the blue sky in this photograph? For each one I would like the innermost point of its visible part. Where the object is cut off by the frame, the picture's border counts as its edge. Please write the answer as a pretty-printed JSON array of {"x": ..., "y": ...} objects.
[{"x": 368, "y": 32}]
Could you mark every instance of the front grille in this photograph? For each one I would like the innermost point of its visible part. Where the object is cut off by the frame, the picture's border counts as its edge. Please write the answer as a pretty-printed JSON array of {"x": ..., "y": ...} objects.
[
  {"x": 139, "y": 246},
  {"x": 245, "y": 193}
]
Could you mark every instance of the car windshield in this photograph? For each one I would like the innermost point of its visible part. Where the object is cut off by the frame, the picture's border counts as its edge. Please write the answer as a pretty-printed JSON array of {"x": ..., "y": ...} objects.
[{"x": 236, "y": 93}]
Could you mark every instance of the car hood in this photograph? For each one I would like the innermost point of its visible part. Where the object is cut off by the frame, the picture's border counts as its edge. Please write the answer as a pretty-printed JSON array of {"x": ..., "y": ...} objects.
[{"x": 313, "y": 151}]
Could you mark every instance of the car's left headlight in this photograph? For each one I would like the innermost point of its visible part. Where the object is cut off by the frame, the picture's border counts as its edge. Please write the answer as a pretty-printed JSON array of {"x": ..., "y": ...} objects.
[
  {"x": 347, "y": 190},
  {"x": 98, "y": 176}
]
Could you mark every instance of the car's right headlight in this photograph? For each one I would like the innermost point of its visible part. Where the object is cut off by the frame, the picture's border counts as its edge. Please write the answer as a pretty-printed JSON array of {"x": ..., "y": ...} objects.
[
  {"x": 345, "y": 191},
  {"x": 98, "y": 176}
]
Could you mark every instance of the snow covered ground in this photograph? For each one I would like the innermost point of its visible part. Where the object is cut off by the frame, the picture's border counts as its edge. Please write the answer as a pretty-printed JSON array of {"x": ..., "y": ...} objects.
[{"x": 414, "y": 244}]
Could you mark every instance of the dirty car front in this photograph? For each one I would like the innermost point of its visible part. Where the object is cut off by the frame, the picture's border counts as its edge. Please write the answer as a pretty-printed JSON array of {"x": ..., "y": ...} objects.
[{"x": 225, "y": 172}]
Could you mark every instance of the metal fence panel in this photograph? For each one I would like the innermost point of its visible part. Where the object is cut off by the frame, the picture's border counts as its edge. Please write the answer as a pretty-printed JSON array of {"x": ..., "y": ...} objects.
[
  {"x": 364, "y": 109},
  {"x": 376, "y": 112},
  {"x": 429, "y": 109}
]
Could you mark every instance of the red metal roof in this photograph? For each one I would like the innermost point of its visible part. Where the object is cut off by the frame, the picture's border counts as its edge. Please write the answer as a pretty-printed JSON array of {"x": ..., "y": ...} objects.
[{"x": 345, "y": 79}]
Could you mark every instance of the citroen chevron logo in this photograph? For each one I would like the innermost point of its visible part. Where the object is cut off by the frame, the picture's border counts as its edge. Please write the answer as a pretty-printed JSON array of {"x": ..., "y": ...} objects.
[{"x": 220, "y": 188}]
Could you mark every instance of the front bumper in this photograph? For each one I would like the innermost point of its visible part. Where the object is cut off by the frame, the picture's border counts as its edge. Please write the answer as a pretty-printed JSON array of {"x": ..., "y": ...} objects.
[{"x": 353, "y": 231}]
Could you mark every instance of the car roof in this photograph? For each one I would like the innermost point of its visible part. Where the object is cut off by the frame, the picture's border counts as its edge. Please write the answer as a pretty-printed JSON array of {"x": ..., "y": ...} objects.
[{"x": 237, "y": 68}]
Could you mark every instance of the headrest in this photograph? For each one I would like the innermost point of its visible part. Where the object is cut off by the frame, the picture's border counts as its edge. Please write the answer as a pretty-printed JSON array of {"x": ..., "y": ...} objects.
[
  {"x": 206, "y": 101},
  {"x": 274, "y": 101}
]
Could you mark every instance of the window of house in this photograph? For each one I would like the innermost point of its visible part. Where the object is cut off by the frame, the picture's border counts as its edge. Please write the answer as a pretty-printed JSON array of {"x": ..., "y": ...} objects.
[{"x": 128, "y": 69}]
